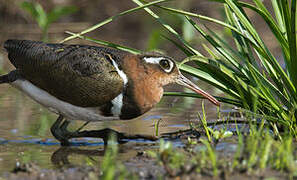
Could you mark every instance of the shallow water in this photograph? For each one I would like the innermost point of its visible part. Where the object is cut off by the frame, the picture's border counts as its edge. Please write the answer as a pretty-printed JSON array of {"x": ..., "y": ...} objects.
[{"x": 25, "y": 131}]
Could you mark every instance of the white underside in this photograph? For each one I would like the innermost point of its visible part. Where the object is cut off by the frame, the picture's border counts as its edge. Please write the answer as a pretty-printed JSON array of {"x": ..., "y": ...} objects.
[
  {"x": 117, "y": 102},
  {"x": 55, "y": 105}
]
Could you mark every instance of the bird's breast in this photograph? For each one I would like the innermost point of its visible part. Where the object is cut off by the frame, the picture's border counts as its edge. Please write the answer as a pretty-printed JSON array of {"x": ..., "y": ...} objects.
[{"x": 137, "y": 101}]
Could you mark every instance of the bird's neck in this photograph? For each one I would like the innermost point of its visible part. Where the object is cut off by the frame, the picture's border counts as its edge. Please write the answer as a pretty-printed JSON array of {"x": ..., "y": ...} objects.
[
  {"x": 147, "y": 95},
  {"x": 139, "y": 98},
  {"x": 143, "y": 91}
]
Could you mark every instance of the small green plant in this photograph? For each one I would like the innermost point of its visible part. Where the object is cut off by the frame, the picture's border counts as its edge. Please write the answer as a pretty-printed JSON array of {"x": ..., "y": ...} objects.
[
  {"x": 283, "y": 158},
  {"x": 211, "y": 133},
  {"x": 212, "y": 156},
  {"x": 169, "y": 157},
  {"x": 108, "y": 165},
  {"x": 204, "y": 122},
  {"x": 220, "y": 134},
  {"x": 111, "y": 168},
  {"x": 44, "y": 19},
  {"x": 192, "y": 141},
  {"x": 156, "y": 125}
]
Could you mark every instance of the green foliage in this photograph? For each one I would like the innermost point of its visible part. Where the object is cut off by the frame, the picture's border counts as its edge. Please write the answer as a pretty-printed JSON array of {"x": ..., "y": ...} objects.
[
  {"x": 44, "y": 19},
  {"x": 251, "y": 74},
  {"x": 257, "y": 151}
]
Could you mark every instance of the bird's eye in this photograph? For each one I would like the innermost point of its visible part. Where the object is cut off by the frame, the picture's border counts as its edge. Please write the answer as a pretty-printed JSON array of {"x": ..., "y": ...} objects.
[{"x": 165, "y": 64}]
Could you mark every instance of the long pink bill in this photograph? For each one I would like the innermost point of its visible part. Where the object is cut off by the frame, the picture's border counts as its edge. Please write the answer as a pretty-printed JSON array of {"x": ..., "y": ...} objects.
[{"x": 187, "y": 83}]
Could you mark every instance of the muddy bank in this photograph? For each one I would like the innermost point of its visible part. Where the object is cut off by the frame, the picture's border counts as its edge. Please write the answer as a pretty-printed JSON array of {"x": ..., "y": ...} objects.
[{"x": 141, "y": 166}]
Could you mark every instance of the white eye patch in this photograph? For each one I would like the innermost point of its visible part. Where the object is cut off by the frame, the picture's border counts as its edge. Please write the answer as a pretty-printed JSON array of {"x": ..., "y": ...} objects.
[
  {"x": 156, "y": 60},
  {"x": 153, "y": 60}
]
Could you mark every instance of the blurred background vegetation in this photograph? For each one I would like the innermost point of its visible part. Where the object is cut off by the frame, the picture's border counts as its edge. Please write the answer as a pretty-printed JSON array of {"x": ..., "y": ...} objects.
[{"x": 137, "y": 30}]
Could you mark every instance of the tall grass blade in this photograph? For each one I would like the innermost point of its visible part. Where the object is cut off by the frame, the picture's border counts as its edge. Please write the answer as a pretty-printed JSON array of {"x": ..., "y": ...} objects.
[
  {"x": 110, "y": 19},
  {"x": 106, "y": 43}
]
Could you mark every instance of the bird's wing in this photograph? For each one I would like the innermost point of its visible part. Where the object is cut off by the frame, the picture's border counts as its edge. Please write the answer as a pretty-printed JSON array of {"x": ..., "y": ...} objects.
[{"x": 80, "y": 75}]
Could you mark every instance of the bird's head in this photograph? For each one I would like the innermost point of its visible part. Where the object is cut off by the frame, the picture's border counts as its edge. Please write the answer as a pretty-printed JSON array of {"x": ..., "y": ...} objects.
[{"x": 163, "y": 70}]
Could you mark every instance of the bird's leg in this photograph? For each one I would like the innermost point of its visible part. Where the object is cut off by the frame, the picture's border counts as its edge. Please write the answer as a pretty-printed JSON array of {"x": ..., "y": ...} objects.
[
  {"x": 81, "y": 127},
  {"x": 60, "y": 132},
  {"x": 64, "y": 125},
  {"x": 55, "y": 127},
  {"x": 105, "y": 134}
]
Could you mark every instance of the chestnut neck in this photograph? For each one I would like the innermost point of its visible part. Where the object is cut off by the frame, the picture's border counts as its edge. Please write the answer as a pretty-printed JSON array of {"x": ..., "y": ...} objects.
[{"x": 143, "y": 90}]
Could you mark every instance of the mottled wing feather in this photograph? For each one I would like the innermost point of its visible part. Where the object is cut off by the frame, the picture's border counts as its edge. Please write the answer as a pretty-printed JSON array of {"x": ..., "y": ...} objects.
[{"x": 80, "y": 75}]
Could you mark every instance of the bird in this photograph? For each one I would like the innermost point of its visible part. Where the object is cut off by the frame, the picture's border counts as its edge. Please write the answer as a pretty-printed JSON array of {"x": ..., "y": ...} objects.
[{"x": 91, "y": 83}]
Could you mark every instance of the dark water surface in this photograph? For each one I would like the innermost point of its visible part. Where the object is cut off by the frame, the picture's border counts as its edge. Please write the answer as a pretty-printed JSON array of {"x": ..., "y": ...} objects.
[{"x": 25, "y": 131}]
